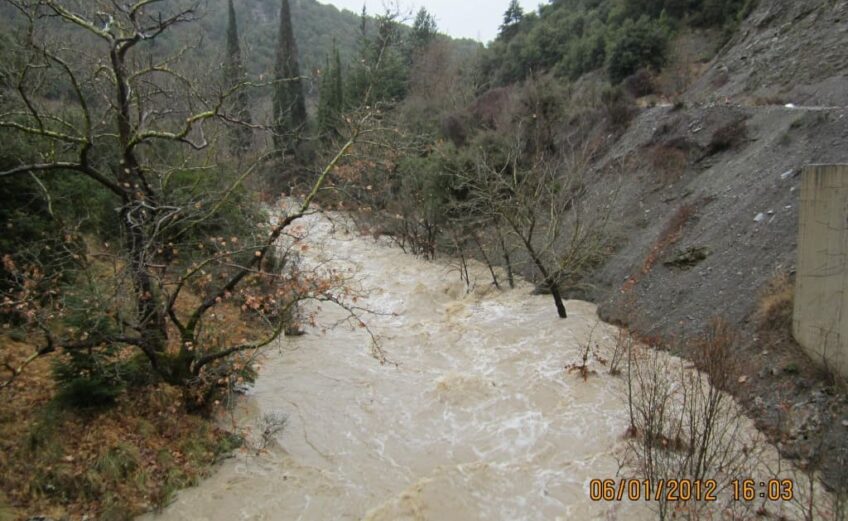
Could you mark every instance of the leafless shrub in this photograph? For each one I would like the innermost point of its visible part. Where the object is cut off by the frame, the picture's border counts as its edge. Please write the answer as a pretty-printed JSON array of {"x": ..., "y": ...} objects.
[
  {"x": 453, "y": 128},
  {"x": 683, "y": 423},
  {"x": 640, "y": 83},
  {"x": 589, "y": 353},
  {"x": 268, "y": 427},
  {"x": 622, "y": 348},
  {"x": 619, "y": 107},
  {"x": 727, "y": 137},
  {"x": 669, "y": 162},
  {"x": 488, "y": 109}
]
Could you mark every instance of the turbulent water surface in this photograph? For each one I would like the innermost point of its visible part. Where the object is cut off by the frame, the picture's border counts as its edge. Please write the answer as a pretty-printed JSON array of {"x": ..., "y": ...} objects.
[{"x": 476, "y": 418}]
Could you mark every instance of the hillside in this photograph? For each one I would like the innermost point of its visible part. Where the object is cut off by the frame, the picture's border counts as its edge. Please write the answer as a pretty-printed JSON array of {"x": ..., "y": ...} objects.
[
  {"x": 720, "y": 223},
  {"x": 316, "y": 25}
]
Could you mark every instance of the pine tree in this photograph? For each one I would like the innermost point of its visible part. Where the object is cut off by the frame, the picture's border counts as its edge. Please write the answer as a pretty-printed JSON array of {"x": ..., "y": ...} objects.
[
  {"x": 359, "y": 74},
  {"x": 389, "y": 68},
  {"x": 423, "y": 32},
  {"x": 512, "y": 17},
  {"x": 380, "y": 72},
  {"x": 289, "y": 103},
  {"x": 234, "y": 74}
]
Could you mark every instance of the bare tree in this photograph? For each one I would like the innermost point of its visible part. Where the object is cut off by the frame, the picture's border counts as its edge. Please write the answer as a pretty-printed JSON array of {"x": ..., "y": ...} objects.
[
  {"x": 538, "y": 202},
  {"x": 131, "y": 122}
]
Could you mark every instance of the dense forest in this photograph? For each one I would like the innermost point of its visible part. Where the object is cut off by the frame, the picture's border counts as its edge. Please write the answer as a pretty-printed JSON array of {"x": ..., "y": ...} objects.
[
  {"x": 573, "y": 37},
  {"x": 147, "y": 258}
]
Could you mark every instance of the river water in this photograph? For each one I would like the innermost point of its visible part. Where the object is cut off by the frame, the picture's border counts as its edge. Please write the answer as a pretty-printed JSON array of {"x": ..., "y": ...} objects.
[{"x": 475, "y": 418}]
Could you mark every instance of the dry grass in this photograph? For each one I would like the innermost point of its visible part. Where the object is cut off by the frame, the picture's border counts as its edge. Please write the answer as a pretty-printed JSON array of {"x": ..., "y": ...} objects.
[
  {"x": 775, "y": 306},
  {"x": 669, "y": 162},
  {"x": 727, "y": 137}
]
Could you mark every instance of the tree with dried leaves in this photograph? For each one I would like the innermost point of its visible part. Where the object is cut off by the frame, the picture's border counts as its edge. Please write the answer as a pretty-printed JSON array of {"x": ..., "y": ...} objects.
[{"x": 143, "y": 130}]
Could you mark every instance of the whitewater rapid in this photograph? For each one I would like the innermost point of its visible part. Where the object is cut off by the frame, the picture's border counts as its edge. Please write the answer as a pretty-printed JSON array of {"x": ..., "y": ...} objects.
[{"x": 475, "y": 416}]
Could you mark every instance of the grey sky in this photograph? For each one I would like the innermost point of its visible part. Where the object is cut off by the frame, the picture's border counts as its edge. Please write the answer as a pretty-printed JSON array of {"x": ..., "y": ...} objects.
[{"x": 478, "y": 19}]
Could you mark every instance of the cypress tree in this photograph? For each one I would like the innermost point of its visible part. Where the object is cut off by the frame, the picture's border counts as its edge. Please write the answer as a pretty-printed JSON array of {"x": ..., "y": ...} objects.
[
  {"x": 325, "y": 102},
  {"x": 338, "y": 82},
  {"x": 234, "y": 74},
  {"x": 331, "y": 103},
  {"x": 289, "y": 104}
]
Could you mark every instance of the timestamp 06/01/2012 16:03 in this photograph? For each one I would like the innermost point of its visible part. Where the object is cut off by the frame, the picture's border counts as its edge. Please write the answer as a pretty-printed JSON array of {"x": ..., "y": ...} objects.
[{"x": 685, "y": 490}]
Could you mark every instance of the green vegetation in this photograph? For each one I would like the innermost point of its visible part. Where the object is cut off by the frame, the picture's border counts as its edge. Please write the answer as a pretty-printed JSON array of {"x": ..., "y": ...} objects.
[
  {"x": 573, "y": 37},
  {"x": 289, "y": 104},
  {"x": 331, "y": 104},
  {"x": 234, "y": 76}
]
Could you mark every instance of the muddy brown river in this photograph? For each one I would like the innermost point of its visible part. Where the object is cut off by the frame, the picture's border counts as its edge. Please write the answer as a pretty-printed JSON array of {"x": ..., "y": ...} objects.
[{"x": 478, "y": 419}]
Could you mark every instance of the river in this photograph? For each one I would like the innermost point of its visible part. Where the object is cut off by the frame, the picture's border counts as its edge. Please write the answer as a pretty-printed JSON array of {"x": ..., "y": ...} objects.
[{"x": 475, "y": 418}]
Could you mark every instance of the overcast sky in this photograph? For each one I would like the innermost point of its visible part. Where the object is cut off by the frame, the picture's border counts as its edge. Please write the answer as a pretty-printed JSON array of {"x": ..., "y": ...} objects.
[{"x": 478, "y": 19}]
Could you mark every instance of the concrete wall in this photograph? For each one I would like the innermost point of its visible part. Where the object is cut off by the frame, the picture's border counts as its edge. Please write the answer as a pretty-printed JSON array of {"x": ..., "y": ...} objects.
[{"x": 820, "y": 321}]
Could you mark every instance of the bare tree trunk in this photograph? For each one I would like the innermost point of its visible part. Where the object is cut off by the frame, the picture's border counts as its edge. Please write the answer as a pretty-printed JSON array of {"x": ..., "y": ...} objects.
[
  {"x": 548, "y": 280},
  {"x": 510, "y": 277},
  {"x": 558, "y": 301},
  {"x": 138, "y": 211},
  {"x": 486, "y": 258}
]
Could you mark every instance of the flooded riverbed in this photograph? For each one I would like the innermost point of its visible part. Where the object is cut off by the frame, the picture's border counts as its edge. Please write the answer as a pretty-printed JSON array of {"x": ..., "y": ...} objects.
[{"x": 475, "y": 418}]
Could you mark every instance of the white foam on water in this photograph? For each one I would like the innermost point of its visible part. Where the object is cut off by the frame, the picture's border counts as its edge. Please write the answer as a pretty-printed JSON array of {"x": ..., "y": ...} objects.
[{"x": 479, "y": 419}]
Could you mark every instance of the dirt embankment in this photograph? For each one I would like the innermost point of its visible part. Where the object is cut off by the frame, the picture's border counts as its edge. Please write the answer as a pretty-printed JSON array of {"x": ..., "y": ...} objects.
[{"x": 707, "y": 216}]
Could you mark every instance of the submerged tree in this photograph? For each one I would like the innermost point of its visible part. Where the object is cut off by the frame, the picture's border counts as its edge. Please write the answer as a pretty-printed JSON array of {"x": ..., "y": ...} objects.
[
  {"x": 234, "y": 76},
  {"x": 537, "y": 202},
  {"x": 289, "y": 103}
]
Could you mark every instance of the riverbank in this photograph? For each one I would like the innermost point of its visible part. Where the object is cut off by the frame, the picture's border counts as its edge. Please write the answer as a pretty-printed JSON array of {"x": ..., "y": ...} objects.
[{"x": 106, "y": 464}]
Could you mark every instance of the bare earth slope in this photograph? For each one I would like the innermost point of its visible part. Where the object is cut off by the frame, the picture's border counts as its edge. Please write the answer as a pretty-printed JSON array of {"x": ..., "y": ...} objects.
[{"x": 715, "y": 233}]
